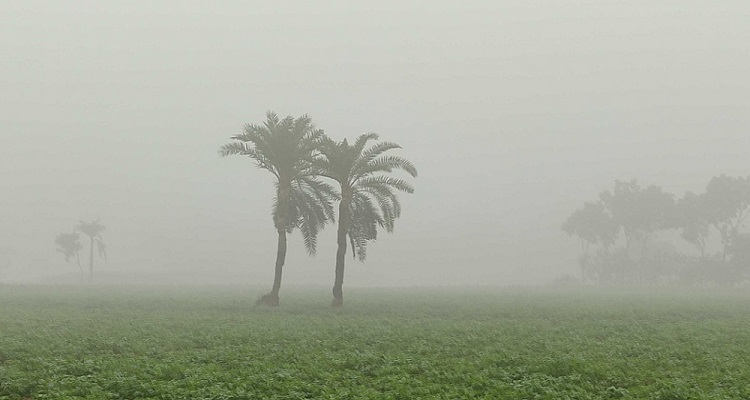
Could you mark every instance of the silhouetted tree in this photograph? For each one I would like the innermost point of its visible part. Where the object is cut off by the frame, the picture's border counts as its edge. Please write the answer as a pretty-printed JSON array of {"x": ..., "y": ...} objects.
[
  {"x": 69, "y": 244},
  {"x": 640, "y": 212},
  {"x": 727, "y": 202},
  {"x": 692, "y": 218},
  {"x": 593, "y": 225},
  {"x": 93, "y": 230},
  {"x": 368, "y": 194},
  {"x": 286, "y": 148},
  {"x": 663, "y": 262},
  {"x": 740, "y": 253}
]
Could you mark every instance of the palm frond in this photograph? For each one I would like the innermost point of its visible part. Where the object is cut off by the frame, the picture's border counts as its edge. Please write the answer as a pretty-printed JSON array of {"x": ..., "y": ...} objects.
[
  {"x": 289, "y": 148},
  {"x": 91, "y": 229},
  {"x": 386, "y": 181},
  {"x": 232, "y": 148},
  {"x": 387, "y": 164},
  {"x": 384, "y": 196},
  {"x": 378, "y": 149},
  {"x": 271, "y": 119},
  {"x": 363, "y": 172},
  {"x": 313, "y": 207},
  {"x": 361, "y": 141},
  {"x": 236, "y": 148}
]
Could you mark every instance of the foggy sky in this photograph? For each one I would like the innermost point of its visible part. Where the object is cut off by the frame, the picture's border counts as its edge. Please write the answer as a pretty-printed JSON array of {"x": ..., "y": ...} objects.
[{"x": 514, "y": 112}]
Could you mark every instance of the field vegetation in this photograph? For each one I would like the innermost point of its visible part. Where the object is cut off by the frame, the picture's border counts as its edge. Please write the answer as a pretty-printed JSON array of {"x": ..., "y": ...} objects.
[{"x": 211, "y": 343}]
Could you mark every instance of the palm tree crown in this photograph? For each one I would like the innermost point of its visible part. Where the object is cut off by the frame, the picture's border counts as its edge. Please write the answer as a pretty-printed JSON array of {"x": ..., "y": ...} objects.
[
  {"x": 93, "y": 230},
  {"x": 286, "y": 148},
  {"x": 368, "y": 192}
]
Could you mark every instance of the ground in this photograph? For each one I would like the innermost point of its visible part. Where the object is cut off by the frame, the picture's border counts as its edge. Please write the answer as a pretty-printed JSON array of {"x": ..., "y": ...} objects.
[{"x": 212, "y": 343}]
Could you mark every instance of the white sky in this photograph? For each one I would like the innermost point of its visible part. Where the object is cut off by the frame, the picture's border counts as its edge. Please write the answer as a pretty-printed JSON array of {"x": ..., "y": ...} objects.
[{"x": 515, "y": 112}]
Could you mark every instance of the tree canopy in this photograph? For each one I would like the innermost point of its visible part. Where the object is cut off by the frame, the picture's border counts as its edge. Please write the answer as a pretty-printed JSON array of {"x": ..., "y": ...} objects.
[{"x": 640, "y": 213}]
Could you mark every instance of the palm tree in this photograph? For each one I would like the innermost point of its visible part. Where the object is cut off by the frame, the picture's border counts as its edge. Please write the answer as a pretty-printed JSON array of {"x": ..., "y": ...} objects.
[
  {"x": 368, "y": 194},
  {"x": 93, "y": 230},
  {"x": 286, "y": 148},
  {"x": 70, "y": 245}
]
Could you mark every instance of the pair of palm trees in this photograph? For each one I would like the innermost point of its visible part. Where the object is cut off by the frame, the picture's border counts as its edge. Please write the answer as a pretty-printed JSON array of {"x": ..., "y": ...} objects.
[
  {"x": 299, "y": 155},
  {"x": 70, "y": 243}
]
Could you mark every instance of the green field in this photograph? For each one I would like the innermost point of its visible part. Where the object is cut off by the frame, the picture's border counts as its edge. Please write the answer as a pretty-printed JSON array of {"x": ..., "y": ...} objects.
[{"x": 211, "y": 343}]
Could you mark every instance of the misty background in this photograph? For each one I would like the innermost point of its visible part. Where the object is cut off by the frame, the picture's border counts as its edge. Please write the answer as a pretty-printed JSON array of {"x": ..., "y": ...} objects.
[{"x": 514, "y": 112}]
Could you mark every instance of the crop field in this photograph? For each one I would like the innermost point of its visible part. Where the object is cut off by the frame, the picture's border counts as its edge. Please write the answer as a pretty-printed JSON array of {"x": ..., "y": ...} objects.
[{"x": 211, "y": 343}]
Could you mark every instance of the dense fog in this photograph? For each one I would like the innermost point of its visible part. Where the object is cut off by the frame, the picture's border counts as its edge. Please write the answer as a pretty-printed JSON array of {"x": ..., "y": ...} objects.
[{"x": 514, "y": 112}]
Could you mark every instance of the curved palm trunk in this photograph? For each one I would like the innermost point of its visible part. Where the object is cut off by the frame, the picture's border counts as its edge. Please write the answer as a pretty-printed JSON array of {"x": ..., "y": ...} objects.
[
  {"x": 338, "y": 283},
  {"x": 271, "y": 298},
  {"x": 78, "y": 260},
  {"x": 280, "y": 258},
  {"x": 91, "y": 261}
]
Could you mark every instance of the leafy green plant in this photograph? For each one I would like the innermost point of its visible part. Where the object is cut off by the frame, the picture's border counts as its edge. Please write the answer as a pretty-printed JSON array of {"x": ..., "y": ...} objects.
[{"x": 167, "y": 343}]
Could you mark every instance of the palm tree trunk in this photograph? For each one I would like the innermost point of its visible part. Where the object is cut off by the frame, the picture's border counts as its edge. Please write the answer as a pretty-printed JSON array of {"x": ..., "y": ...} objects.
[
  {"x": 338, "y": 283},
  {"x": 91, "y": 261},
  {"x": 78, "y": 260},
  {"x": 271, "y": 299},
  {"x": 280, "y": 258}
]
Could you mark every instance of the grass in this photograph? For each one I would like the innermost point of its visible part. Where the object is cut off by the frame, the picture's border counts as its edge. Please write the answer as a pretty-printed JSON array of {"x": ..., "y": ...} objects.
[{"x": 210, "y": 343}]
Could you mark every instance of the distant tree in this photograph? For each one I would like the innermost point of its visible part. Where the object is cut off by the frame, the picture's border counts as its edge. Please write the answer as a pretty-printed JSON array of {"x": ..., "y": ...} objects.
[
  {"x": 740, "y": 256},
  {"x": 93, "y": 230},
  {"x": 593, "y": 225},
  {"x": 368, "y": 194},
  {"x": 640, "y": 212},
  {"x": 707, "y": 269},
  {"x": 286, "y": 149},
  {"x": 692, "y": 217},
  {"x": 615, "y": 266},
  {"x": 69, "y": 244},
  {"x": 727, "y": 202},
  {"x": 663, "y": 262}
]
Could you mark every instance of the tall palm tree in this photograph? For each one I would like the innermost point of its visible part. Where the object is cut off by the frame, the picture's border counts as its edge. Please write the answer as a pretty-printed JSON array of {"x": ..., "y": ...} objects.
[
  {"x": 368, "y": 194},
  {"x": 286, "y": 148},
  {"x": 70, "y": 245},
  {"x": 93, "y": 230}
]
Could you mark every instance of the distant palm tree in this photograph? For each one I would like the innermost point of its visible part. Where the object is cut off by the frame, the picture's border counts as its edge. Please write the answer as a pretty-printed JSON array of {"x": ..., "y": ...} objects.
[
  {"x": 70, "y": 245},
  {"x": 93, "y": 230},
  {"x": 368, "y": 194},
  {"x": 286, "y": 148}
]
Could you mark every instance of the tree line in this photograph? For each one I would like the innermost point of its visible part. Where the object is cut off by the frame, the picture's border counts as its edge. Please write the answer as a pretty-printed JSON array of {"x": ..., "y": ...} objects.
[
  {"x": 311, "y": 173},
  {"x": 623, "y": 233}
]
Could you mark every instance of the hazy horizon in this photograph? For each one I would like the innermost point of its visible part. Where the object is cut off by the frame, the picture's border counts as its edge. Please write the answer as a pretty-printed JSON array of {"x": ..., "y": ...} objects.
[{"x": 514, "y": 112}]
